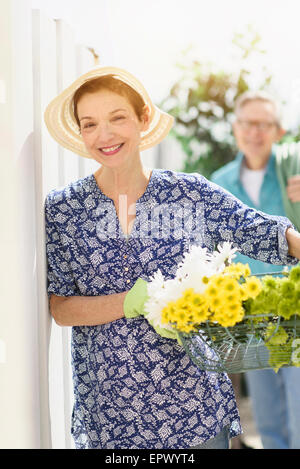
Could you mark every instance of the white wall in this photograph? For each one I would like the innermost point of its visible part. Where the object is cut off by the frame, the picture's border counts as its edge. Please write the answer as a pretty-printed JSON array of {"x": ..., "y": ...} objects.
[
  {"x": 19, "y": 372},
  {"x": 40, "y": 57}
]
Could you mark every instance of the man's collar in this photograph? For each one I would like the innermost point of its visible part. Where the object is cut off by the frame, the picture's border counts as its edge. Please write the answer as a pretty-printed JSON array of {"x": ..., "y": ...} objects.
[{"x": 269, "y": 166}]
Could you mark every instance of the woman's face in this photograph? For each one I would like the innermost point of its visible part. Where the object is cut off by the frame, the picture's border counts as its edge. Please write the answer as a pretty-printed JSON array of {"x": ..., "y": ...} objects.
[{"x": 110, "y": 128}]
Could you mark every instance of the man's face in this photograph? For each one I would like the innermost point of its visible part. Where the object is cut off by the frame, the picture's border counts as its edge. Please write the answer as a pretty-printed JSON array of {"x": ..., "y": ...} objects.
[{"x": 255, "y": 130}]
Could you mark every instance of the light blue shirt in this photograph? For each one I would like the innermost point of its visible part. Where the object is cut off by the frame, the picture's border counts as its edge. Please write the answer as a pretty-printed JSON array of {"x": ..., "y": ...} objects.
[{"x": 270, "y": 200}]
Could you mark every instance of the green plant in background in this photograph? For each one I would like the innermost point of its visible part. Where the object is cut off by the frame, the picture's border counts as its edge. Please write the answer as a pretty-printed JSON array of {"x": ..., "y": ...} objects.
[{"x": 202, "y": 103}]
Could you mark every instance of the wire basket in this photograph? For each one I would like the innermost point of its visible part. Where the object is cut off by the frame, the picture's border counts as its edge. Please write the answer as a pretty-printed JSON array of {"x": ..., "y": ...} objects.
[{"x": 244, "y": 346}]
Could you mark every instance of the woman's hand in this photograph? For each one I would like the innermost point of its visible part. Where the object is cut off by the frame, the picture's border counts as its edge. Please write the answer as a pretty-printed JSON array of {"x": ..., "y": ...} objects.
[
  {"x": 135, "y": 299},
  {"x": 134, "y": 306},
  {"x": 293, "y": 239}
]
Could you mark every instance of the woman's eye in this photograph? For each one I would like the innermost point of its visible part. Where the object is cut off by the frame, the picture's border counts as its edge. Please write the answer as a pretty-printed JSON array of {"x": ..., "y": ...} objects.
[
  {"x": 118, "y": 118},
  {"x": 90, "y": 124}
]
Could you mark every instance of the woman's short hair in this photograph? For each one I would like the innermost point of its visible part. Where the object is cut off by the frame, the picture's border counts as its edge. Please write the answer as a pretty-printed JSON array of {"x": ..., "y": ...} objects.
[{"x": 109, "y": 82}]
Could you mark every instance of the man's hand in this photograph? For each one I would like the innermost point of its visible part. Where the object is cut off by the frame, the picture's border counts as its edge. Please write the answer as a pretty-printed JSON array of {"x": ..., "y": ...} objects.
[{"x": 293, "y": 188}]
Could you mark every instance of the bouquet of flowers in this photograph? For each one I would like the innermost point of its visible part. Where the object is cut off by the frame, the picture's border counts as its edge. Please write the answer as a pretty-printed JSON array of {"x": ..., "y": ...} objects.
[{"x": 226, "y": 318}]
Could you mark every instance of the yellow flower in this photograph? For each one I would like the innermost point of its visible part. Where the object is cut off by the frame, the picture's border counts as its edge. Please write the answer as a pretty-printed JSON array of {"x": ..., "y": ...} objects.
[
  {"x": 201, "y": 314},
  {"x": 247, "y": 270},
  {"x": 220, "y": 302},
  {"x": 216, "y": 303},
  {"x": 238, "y": 270},
  {"x": 243, "y": 293},
  {"x": 229, "y": 315},
  {"x": 218, "y": 286},
  {"x": 182, "y": 315},
  {"x": 232, "y": 271},
  {"x": 218, "y": 280},
  {"x": 230, "y": 285},
  {"x": 211, "y": 291},
  {"x": 186, "y": 328},
  {"x": 187, "y": 312},
  {"x": 188, "y": 294},
  {"x": 235, "y": 309},
  {"x": 252, "y": 287},
  {"x": 198, "y": 307},
  {"x": 228, "y": 293},
  {"x": 231, "y": 298}
]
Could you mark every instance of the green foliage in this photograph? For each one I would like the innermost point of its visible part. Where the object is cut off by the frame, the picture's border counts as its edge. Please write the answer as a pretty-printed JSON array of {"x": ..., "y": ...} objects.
[
  {"x": 202, "y": 103},
  {"x": 276, "y": 335},
  {"x": 279, "y": 301},
  {"x": 291, "y": 136}
]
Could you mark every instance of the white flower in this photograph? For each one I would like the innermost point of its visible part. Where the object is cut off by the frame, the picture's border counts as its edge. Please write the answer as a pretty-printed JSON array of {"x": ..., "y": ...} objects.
[
  {"x": 156, "y": 284},
  {"x": 224, "y": 254},
  {"x": 196, "y": 260},
  {"x": 160, "y": 293},
  {"x": 196, "y": 265}
]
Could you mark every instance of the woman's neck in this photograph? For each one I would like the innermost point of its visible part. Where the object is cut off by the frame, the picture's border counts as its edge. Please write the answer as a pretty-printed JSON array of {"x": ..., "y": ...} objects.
[
  {"x": 123, "y": 181},
  {"x": 124, "y": 188}
]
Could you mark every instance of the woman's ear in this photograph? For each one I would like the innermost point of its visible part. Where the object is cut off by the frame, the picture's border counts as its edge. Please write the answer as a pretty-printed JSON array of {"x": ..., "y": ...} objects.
[{"x": 145, "y": 118}]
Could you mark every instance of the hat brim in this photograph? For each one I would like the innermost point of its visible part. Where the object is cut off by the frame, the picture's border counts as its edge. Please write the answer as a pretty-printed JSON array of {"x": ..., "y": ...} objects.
[{"x": 62, "y": 126}]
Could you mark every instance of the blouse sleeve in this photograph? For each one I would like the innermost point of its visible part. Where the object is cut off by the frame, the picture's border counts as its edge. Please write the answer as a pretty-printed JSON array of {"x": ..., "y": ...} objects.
[
  {"x": 59, "y": 273},
  {"x": 254, "y": 233}
]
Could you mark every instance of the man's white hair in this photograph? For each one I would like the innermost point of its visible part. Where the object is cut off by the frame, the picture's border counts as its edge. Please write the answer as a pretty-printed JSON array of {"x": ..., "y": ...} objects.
[{"x": 250, "y": 96}]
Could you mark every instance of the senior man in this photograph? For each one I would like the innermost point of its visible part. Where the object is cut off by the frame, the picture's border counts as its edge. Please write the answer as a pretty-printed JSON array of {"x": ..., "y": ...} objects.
[{"x": 252, "y": 177}]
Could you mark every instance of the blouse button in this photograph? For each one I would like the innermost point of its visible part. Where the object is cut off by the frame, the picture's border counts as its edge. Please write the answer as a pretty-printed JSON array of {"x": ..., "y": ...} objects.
[
  {"x": 128, "y": 281},
  {"x": 126, "y": 269},
  {"x": 125, "y": 257}
]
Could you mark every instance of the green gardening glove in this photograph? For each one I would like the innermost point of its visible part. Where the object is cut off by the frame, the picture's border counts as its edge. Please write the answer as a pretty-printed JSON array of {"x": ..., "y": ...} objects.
[
  {"x": 135, "y": 299},
  {"x": 165, "y": 332},
  {"x": 134, "y": 306}
]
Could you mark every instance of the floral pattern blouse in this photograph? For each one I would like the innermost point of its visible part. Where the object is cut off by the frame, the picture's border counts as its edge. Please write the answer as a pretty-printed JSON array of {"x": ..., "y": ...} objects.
[{"x": 132, "y": 387}]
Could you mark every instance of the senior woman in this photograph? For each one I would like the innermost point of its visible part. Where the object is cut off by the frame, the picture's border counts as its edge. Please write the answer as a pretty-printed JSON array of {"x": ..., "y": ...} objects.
[{"x": 134, "y": 388}]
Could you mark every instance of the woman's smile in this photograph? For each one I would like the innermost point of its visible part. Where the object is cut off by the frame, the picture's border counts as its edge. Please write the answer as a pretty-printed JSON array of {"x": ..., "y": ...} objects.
[{"x": 111, "y": 150}]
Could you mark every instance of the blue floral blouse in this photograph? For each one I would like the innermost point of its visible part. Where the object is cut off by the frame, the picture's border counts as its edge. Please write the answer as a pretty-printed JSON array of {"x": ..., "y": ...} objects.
[{"x": 133, "y": 388}]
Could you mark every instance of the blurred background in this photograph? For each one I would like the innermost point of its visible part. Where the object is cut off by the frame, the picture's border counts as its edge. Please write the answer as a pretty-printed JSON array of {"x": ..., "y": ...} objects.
[{"x": 194, "y": 58}]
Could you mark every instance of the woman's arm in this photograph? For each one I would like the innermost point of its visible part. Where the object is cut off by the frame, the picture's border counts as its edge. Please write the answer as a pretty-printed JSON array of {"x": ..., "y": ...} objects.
[
  {"x": 87, "y": 310},
  {"x": 293, "y": 239},
  {"x": 254, "y": 233}
]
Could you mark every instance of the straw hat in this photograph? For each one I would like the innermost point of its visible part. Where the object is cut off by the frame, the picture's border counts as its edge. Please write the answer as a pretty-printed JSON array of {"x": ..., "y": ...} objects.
[{"x": 61, "y": 123}]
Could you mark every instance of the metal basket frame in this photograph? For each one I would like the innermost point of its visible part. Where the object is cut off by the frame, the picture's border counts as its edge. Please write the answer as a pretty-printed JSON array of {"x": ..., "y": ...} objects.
[{"x": 238, "y": 348}]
